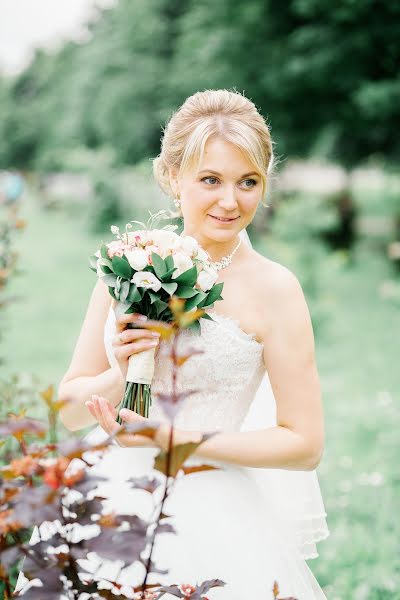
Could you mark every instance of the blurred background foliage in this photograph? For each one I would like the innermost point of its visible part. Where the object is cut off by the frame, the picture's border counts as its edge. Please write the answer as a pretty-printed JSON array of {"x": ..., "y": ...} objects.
[{"x": 82, "y": 124}]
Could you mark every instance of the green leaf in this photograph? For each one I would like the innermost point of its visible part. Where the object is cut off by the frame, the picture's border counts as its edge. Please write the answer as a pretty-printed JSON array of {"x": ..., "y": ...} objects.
[
  {"x": 160, "y": 305},
  {"x": 105, "y": 269},
  {"x": 110, "y": 280},
  {"x": 121, "y": 267},
  {"x": 213, "y": 295},
  {"x": 104, "y": 252},
  {"x": 185, "y": 291},
  {"x": 168, "y": 274},
  {"x": 124, "y": 291},
  {"x": 188, "y": 278},
  {"x": 194, "y": 301},
  {"x": 169, "y": 287},
  {"x": 169, "y": 262},
  {"x": 134, "y": 294},
  {"x": 93, "y": 261},
  {"x": 158, "y": 264},
  {"x": 122, "y": 308},
  {"x": 153, "y": 296},
  {"x": 195, "y": 327},
  {"x": 206, "y": 316}
]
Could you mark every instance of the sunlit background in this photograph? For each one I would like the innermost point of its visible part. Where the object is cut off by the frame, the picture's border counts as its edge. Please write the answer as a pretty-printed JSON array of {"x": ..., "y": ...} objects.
[{"x": 85, "y": 89}]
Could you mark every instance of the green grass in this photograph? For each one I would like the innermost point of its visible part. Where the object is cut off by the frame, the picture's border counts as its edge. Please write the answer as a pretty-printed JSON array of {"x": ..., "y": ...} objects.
[
  {"x": 54, "y": 287},
  {"x": 358, "y": 365},
  {"x": 359, "y": 473}
]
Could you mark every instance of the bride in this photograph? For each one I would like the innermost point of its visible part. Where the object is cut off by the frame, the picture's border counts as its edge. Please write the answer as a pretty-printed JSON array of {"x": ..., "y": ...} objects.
[{"x": 256, "y": 519}]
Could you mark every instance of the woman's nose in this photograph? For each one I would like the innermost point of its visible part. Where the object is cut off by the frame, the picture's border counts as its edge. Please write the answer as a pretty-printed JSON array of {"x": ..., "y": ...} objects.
[{"x": 228, "y": 200}]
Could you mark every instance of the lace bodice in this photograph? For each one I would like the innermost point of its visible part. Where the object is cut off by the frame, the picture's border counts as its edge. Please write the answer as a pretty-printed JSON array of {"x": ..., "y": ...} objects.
[{"x": 225, "y": 376}]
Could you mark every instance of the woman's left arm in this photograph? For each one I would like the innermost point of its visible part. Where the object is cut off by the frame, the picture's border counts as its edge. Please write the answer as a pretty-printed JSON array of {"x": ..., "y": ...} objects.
[{"x": 297, "y": 441}]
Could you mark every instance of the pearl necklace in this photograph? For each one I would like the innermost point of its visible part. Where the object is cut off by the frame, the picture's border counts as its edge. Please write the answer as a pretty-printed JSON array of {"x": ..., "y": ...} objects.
[{"x": 225, "y": 260}]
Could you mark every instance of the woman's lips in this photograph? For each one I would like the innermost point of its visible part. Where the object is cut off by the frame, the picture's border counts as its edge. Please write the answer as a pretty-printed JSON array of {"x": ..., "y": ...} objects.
[{"x": 222, "y": 219}]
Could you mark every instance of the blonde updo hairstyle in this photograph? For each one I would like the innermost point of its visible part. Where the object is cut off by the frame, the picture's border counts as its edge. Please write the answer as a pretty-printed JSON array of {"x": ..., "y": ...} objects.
[{"x": 221, "y": 113}]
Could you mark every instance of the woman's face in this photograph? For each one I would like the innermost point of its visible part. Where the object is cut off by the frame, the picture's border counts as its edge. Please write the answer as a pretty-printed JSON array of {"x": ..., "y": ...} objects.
[{"x": 225, "y": 185}]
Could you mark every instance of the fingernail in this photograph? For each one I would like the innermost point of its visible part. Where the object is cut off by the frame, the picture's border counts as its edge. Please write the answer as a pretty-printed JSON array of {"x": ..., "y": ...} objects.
[
  {"x": 141, "y": 317},
  {"x": 123, "y": 413},
  {"x": 95, "y": 397}
]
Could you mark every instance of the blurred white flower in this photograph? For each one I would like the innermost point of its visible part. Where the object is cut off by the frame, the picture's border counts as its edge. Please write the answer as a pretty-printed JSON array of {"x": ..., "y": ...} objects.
[
  {"x": 207, "y": 277},
  {"x": 182, "y": 262},
  {"x": 189, "y": 245},
  {"x": 147, "y": 280},
  {"x": 165, "y": 239},
  {"x": 114, "y": 229},
  {"x": 137, "y": 258},
  {"x": 374, "y": 479},
  {"x": 154, "y": 248},
  {"x": 100, "y": 261},
  {"x": 138, "y": 237},
  {"x": 202, "y": 254}
]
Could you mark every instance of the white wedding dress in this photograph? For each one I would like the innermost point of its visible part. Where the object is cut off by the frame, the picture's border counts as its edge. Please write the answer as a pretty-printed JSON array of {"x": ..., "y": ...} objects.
[{"x": 246, "y": 526}]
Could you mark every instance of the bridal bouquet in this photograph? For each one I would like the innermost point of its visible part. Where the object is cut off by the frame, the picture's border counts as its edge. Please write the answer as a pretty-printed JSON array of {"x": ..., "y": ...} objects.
[{"x": 142, "y": 270}]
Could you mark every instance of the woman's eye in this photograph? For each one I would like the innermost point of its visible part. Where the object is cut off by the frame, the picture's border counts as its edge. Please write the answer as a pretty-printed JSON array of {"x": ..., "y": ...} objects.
[
  {"x": 210, "y": 177},
  {"x": 253, "y": 181}
]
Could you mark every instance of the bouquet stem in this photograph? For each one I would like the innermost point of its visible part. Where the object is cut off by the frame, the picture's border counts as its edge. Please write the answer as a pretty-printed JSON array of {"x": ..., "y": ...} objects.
[{"x": 137, "y": 397}]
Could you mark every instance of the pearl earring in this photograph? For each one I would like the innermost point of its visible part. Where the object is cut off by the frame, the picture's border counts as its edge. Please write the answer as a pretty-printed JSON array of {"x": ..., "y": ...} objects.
[{"x": 177, "y": 202}]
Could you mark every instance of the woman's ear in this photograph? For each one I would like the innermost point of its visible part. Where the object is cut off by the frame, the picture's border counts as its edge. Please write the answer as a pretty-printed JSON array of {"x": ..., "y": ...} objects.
[{"x": 173, "y": 180}]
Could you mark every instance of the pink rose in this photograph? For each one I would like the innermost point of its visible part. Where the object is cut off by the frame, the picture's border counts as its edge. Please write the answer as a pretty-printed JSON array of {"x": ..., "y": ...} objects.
[{"x": 115, "y": 248}]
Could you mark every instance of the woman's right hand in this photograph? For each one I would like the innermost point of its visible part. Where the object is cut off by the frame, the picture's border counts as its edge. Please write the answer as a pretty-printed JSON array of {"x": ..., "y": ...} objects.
[{"x": 129, "y": 341}]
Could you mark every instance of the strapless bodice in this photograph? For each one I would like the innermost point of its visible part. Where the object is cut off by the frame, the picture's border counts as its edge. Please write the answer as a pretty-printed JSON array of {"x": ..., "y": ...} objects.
[{"x": 224, "y": 376}]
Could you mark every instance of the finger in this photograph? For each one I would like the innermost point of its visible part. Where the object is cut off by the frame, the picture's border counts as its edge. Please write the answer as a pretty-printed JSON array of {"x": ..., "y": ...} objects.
[
  {"x": 111, "y": 408},
  {"x": 99, "y": 414},
  {"x": 110, "y": 423},
  {"x": 90, "y": 407},
  {"x": 131, "y": 335},
  {"x": 123, "y": 320},
  {"x": 130, "y": 416},
  {"x": 95, "y": 408}
]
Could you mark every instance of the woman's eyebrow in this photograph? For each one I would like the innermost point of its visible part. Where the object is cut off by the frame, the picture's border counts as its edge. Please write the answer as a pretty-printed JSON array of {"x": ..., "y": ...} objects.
[{"x": 216, "y": 173}]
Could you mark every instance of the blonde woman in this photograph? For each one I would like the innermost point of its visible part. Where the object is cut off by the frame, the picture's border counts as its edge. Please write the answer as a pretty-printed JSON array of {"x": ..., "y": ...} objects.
[{"x": 257, "y": 518}]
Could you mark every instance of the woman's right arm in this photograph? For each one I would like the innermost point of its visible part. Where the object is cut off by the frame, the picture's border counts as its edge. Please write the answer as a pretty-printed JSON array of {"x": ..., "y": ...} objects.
[{"x": 90, "y": 372}]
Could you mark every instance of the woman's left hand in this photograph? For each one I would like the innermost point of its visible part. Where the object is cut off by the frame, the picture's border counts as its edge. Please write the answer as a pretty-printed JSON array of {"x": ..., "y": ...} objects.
[{"x": 106, "y": 413}]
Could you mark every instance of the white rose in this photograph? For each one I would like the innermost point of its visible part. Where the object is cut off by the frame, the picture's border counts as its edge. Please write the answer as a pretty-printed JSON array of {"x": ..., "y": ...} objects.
[
  {"x": 206, "y": 278},
  {"x": 182, "y": 262},
  {"x": 202, "y": 254},
  {"x": 147, "y": 280},
  {"x": 137, "y": 258},
  {"x": 164, "y": 238},
  {"x": 189, "y": 245},
  {"x": 153, "y": 248}
]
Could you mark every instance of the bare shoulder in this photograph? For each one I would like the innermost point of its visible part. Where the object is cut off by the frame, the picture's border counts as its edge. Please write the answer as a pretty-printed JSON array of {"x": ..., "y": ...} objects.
[
  {"x": 279, "y": 291},
  {"x": 274, "y": 279}
]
